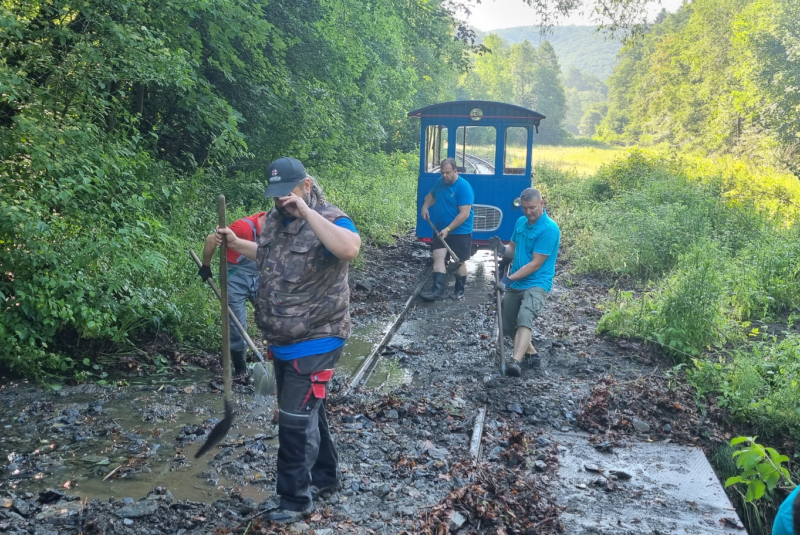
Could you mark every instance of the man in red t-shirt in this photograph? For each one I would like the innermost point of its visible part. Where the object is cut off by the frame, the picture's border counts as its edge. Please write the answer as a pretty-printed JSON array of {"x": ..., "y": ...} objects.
[{"x": 242, "y": 281}]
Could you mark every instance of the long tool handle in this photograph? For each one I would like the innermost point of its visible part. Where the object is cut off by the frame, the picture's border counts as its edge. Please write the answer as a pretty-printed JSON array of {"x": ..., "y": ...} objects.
[
  {"x": 436, "y": 233},
  {"x": 223, "y": 282},
  {"x": 500, "y": 342},
  {"x": 236, "y": 321}
]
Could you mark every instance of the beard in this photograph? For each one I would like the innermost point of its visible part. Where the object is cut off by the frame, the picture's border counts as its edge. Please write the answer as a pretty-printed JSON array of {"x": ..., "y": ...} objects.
[{"x": 288, "y": 215}]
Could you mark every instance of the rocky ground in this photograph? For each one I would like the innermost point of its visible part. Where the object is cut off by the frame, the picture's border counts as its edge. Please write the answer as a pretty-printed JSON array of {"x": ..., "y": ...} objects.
[{"x": 119, "y": 459}]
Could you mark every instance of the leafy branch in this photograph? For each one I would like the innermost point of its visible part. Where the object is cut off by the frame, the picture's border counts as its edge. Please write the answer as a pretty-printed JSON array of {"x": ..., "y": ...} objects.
[{"x": 762, "y": 469}]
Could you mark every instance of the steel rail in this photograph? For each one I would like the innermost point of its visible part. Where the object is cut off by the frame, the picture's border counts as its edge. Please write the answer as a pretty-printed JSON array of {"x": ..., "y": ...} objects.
[{"x": 365, "y": 371}]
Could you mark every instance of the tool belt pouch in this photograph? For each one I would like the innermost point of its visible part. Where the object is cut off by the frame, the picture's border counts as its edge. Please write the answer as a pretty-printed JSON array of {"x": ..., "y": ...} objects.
[{"x": 318, "y": 381}]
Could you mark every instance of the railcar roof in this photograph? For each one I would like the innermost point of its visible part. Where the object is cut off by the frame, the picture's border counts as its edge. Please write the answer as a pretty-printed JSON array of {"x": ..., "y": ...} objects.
[{"x": 490, "y": 110}]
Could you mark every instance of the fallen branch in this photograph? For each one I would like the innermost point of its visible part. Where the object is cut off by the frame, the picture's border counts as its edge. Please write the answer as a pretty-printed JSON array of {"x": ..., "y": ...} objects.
[{"x": 111, "y": 473}]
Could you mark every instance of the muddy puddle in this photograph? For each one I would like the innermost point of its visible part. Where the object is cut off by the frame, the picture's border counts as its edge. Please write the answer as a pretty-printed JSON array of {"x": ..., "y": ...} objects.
[
  {"x": 388, "y": 374},
  {"x": 122, "y": 442},
  {"x": 117, "y": 443}
]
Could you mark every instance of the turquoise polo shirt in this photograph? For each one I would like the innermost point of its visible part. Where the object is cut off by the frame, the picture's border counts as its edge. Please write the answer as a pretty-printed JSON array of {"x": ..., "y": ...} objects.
[
  {"x": 448, "y": 199},
  {"x": 543, "y": 237},
  {"x": 783, "y": 520}
]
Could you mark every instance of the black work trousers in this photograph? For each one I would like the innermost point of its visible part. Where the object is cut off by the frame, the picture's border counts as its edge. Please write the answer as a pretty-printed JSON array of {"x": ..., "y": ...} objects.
[{"x": 306, "y": 453}]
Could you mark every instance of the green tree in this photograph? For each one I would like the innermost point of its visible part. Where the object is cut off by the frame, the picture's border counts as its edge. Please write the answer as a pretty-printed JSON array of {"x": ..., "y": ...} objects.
[
  {"x": 547, "y": 94},
  {"x": 119, "y": 122},
  {"x": 490, "y": 77},
  {"x": 767, "y": 40},
  {"x": 521, "y": 75}
]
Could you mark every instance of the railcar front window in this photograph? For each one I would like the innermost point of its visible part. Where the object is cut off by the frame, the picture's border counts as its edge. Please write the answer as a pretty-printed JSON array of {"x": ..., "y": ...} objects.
[
  {"x": 516, "y": 148},
  {"x": 476, "y": 147},
  {"x": 435, "y": 147}
]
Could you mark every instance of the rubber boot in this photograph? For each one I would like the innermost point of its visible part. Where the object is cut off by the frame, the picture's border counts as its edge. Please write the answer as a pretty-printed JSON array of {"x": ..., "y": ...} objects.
[
  {"x": 461, "y": 282},
  {"x": 239, "y": 362},
  {"x": 437, "y": 292}
]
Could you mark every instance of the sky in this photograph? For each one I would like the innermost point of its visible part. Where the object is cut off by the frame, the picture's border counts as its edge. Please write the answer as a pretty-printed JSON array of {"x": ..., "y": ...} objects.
[{"x": 496, "y": 14}]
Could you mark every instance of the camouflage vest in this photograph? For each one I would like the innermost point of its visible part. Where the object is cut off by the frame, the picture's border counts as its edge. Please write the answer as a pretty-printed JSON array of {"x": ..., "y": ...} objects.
[{"x": 303, "y": 293}]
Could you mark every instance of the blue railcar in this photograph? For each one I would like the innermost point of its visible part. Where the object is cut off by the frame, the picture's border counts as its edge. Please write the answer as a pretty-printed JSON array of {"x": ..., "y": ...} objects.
[{"x": 492, "y": 143}]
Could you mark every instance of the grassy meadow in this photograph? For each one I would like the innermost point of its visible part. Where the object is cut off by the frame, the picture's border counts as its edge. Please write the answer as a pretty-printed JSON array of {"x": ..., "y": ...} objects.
[{"x": 581, "y": 161}]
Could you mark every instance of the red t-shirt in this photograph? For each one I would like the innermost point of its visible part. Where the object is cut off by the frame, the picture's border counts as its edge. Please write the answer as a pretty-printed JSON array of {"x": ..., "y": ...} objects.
[{"x": 243, "y": 230}]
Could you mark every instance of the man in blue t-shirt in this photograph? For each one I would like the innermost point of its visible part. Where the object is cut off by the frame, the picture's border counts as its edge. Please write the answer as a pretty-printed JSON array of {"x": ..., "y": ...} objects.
[
  {"x": 449, "y": 206},
  {"x": 533, "y": 251}
]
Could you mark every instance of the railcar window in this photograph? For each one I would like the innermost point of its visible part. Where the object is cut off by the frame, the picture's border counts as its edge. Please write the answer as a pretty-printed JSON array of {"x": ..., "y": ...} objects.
[
  {"x": 435, "y": 147},
  {"x": 475, "y": 149},
  {"x": 516, "y": 150}
]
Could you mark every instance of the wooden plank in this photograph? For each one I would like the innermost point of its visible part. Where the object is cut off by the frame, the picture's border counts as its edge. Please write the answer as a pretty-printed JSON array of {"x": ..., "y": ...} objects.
[{"x": 477, "y": 433}]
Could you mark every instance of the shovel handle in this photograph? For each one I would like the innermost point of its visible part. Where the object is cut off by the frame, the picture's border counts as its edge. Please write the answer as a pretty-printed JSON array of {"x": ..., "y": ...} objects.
[
  {"x": 223, "y": 282},
  {"x": 236, "y": 321},
  {"x": 500, "y": 341},
  {"x": 436, "y": 233}
]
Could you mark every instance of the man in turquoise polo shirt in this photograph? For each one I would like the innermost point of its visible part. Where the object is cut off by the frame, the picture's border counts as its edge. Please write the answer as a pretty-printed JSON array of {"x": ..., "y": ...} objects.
[
  {"x": 787, "y": 521},
  {"x": 449, "y": 206},
  {"x": 533, "y": 251}
]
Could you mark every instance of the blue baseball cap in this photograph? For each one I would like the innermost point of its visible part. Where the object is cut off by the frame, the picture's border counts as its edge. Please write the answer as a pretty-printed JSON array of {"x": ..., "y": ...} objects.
[{"x": 283, "y": 175}]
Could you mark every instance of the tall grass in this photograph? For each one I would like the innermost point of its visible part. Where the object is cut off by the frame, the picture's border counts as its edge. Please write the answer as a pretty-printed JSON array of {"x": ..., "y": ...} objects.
[
  {"x": 714, "y": 247},
  {"x": 580, "y": 160}
]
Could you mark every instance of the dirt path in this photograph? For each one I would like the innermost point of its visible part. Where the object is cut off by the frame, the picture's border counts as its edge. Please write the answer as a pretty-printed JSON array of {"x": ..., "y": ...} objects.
[{"x": 404, "y": 448}]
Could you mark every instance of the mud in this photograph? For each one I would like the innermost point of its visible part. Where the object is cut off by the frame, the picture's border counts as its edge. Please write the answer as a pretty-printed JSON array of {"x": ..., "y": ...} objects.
[{"x": 120, "y": 459}]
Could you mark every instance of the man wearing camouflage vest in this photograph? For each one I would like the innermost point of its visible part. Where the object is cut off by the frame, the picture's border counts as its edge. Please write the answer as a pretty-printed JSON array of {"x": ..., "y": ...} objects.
[{"x": 302, "y": 309}]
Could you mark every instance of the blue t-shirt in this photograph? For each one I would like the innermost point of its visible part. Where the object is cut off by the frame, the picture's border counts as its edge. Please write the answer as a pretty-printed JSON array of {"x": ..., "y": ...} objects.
[
  {"x": 343, "y": 222},
  {"x": 448, "y": 199},
  {"x": 543, "y": 237},
  {"x": 320, "y": 345},
  {"x": 783, "y": 520}
]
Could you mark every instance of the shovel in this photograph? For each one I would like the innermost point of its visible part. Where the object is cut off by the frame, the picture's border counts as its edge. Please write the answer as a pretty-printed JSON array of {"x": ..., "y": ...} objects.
[
  {"x": 456, "y": 263},
  {"x": 263, "y": 374},
  {"x": 500, "y": 341},
  {"x": 221, "y": 429}
]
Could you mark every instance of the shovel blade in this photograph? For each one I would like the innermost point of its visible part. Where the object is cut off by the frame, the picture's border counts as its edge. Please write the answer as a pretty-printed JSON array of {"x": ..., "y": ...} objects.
[
  {"x": 219, "y": 432},
  {"x": 452, "y": 267},
  {"x": 264, "y": 379}
]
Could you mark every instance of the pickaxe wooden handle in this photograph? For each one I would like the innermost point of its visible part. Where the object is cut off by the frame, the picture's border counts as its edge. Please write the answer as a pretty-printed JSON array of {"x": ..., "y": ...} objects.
[{"x": 449, "y": 250}]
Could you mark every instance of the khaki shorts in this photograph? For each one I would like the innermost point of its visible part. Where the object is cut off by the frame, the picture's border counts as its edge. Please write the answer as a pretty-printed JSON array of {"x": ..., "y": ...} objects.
[{"x": 521, "y": 307}]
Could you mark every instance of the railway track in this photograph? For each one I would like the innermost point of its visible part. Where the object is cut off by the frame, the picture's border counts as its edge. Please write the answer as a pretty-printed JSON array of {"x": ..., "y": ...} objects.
[
  {"x": 483, "y": 167},
  {"x": 363, "y": 374},
  {"x": 361, "y": 377}
]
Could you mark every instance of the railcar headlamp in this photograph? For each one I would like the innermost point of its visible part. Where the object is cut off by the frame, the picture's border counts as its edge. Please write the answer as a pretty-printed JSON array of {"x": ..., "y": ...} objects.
[{"x": 517, "y": 202}]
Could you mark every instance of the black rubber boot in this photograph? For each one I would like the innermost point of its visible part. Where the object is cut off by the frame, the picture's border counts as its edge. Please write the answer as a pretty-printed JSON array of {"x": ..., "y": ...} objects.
[
  {"x": 437, "y": 292},
  {"x": 461, "y": 282},
  {"x": 512, "y": 369},
  {"x": 239, "y": 362}
]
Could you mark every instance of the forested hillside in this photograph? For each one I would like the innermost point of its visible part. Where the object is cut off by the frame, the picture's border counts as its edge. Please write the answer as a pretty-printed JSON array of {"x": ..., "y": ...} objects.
[
  {"x": 581, "y": 47},
  {"x": 521, "y": 74},
  {"x": 120, "y": 123},
  {"x": 719, "y": 76}
]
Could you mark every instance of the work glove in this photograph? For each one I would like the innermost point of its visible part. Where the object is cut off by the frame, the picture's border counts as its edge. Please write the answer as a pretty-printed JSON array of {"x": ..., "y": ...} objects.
[
  {"x": 205, "y": 273},
  {"x": 496, "y": 243},
  {"x": 503, "y": 284}
]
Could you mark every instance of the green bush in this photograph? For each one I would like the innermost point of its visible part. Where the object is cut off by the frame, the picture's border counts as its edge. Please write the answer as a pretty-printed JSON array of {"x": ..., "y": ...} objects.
[
  {"x": 766, "y": 280},
  {"x": 715, "y": 246},
  {"x": 379, "y": 193},
  {"x": 685, "y": 314},
  {"x": 758, "y": 385}
]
